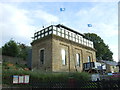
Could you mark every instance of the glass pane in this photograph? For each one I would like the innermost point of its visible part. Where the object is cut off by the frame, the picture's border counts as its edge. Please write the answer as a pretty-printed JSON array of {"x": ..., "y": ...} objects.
[
  {"x": 66, "y": 32},
  {"x": 63, "y": 35},
  {"x": 87, "y": 42},
  {"x": 38, "y": 36},
  {"x": 35, "y": 38},
  {"x": 78, "y": 59},
  {"x": 50, "y": 27},
  {"x": 70, "y": 38},
  {"x": 66, "y": 36},
  {"x": 42, "y": 56},
  {"x": 63, "y": 56},
  {"x": 42, "y": 31},
  {"x": 42, "y": 35},
  {"x": 73, "y": 38},
  {"x": 84, "y": 40},
  {"x": 59, "y": 34},
  {"x": 81, "y": 40},
  {"x": 92, "y": 44},
  {"x": 58, "y": 29},
  {"x": 62, "y": 30},
  {"x": 89, "y": 59},
  {"x": 71, "y": 34},
  {"x": 76, "y": 40},
  {"x": 46, "y": 29},
  {"x": 54, "y": 32},
  {"x": 38, "y": 33},
  {"x": 46, "y": 33},
  {"x": 54, "y": 28},
  {"x": 50, "y": 32}
]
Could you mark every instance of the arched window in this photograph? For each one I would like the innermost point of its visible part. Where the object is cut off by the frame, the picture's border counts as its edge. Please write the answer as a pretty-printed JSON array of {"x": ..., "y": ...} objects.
[
  {"x": 63, "y": 53},
  {"x": 77, "y": 59},
  {"x": 89, "y": 59}
]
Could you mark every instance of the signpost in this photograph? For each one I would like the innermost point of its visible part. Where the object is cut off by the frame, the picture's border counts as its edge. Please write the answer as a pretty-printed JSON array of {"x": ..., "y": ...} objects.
[
  {"x": 21, "y": 79},
  {"x": 15, "y": 79}
]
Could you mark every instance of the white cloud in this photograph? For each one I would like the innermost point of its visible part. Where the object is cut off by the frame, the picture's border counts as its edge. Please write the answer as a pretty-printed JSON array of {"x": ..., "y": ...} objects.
[
  {"x": 104, "y": 20},
  {"x": 46, "y": 16},
  {"x": 16, "y": 23}
]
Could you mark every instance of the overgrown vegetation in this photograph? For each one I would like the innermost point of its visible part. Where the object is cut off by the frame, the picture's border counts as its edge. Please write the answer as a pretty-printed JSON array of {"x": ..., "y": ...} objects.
[
  {"x": 11, "y": 66},
  {"x": 36, "y": 76},
  {"x": 48, "y": 79}
]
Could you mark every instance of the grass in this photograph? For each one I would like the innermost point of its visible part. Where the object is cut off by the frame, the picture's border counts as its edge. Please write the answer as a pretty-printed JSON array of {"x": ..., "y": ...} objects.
[
  {"x": 38, "y": 77},
  {"x": 47, "y": 76},
  {"x": 10, "y": 69}
]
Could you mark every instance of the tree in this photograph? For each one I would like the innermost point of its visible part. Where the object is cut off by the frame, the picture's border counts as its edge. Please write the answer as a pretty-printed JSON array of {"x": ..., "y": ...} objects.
[
  {"x": 23, "y": 53},
  {"x": 103, "y": 51},
  {"x": 0, "y": 51},
  {"x": 10, "y": 49},
  {"x": 14, "y": 49}
]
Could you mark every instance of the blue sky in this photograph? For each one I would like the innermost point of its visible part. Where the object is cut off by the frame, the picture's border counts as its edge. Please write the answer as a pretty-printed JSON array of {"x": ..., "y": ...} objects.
[{"x": 21, "y": 19}]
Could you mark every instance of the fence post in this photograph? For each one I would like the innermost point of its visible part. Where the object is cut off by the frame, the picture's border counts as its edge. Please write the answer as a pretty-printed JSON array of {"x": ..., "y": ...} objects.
[{"x": 71, "y": 82}]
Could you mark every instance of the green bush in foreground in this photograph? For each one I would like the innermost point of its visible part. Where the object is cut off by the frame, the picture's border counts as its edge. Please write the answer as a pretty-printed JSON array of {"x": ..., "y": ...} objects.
[{"x": 44, "y": 77}]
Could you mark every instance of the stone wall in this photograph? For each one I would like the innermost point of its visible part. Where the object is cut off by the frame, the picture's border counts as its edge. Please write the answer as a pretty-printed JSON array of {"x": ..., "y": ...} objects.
[
  {"x": 72, "y": 49},
  {"x": 13, "y": 60},
  {"x": 44, "y": 43},
  {"x": 52, "y": 45}
]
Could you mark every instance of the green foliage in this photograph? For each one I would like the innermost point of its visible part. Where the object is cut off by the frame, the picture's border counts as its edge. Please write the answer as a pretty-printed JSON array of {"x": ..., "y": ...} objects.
[
  {"x": 103, "y": 51},
  {"x": 81, "y": 76},
  {"x": 23, "y": 53},
  {"x": 14, "y": 49},
  {"x": 0, "y": 51},
  {"x": 10, "y": 49},
  {"x": 9, "y": 70},
  {"x": 11, "y": 66},
  {"x": 44, "y": 77}
]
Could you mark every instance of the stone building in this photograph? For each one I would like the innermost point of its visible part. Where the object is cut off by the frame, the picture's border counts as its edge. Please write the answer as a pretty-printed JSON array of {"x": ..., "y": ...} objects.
[{"x": 58, "y": 48}]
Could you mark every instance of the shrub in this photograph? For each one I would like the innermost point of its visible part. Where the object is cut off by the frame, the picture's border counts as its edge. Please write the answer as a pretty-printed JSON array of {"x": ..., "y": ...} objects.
[{"x": 45, "y": 77}]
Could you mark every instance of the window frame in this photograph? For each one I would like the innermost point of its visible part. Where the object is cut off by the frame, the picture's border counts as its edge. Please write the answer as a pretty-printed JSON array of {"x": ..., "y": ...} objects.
[
  {"x": 64, "y": 62},
  {"x": 89, "y": 59},
  {"x": 78, "y": 60},
  {"x": 42, "y": 62}
]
